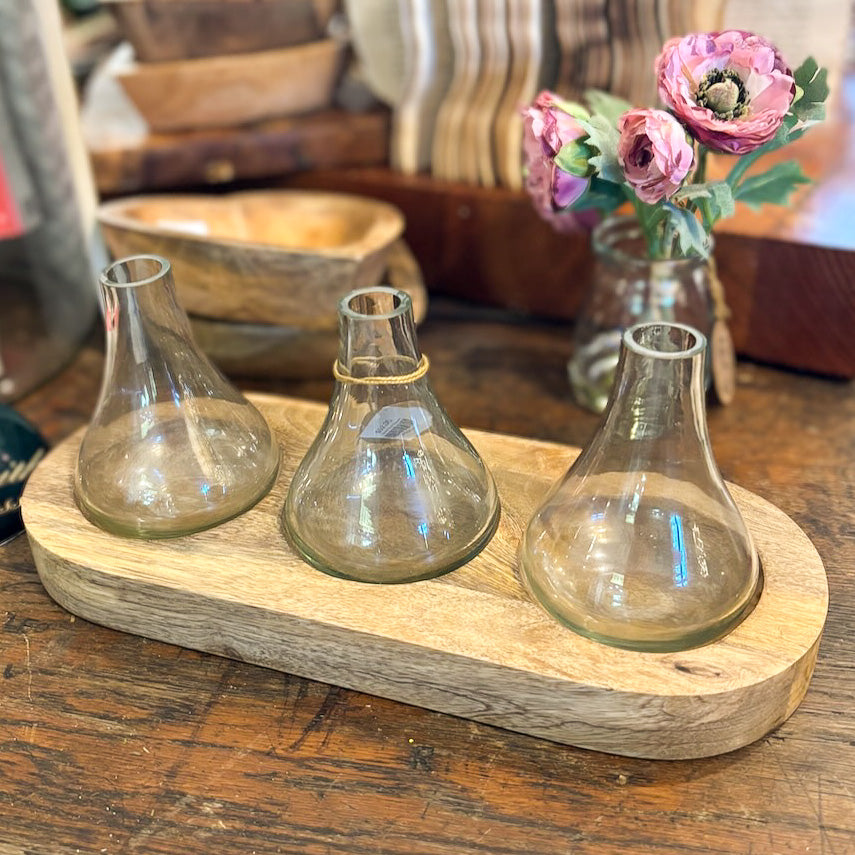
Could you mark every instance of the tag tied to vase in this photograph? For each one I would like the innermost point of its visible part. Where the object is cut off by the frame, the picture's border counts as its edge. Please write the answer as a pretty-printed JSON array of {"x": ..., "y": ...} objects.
[
  {"x": 390, "y": 490},
  {"x": 640, "y": 544},
  {"x": 173, "y": 447}
]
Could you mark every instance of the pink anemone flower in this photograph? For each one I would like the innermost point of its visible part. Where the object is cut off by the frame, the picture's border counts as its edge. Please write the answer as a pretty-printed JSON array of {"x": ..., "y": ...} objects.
[{"x": 731, "y": 89}]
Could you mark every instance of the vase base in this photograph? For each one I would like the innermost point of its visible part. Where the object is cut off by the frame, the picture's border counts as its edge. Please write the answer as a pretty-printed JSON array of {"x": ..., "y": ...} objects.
[
  {"x": 662, "y": 643},
  {"x": 591, "y": 370},
  {"x": 404, "y": 572}
]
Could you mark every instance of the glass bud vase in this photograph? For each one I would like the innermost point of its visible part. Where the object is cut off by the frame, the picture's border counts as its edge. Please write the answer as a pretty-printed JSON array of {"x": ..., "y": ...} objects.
[
  {"x": 628, "y": 288},
  {"x": 390, "y": 490},
  {"x": 173, "y": 447},
  {"x": 640, "y": 545}
]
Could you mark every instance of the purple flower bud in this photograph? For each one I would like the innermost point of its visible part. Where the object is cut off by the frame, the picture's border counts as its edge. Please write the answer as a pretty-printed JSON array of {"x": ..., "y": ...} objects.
[{"x": 547, "y": 128}]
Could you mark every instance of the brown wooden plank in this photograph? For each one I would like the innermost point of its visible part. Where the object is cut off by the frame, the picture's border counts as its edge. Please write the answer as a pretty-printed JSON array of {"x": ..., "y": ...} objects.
[{"x": 331, "y": 138}]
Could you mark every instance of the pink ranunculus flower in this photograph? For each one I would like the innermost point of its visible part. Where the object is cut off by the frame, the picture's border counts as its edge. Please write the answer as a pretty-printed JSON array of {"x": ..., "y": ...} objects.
[
  {"x": 654, "y": 153},
  {"x": 731, "y": 89},
  {"x": 546, "y": 129}
]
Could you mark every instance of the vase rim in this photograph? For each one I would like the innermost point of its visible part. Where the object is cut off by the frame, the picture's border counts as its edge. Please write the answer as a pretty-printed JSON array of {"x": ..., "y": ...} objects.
[
  {"x": 163, "y": 267},
  {"x": 631, "y": 343},
  {"x": 626, "y": 226},
  {"x": 401, "y": 302}
]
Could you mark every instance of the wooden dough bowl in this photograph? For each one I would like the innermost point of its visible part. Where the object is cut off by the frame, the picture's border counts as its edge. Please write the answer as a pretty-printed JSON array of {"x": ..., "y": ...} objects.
[
  {"x": 471, "y": 643},
  {"x": 269, "y": 257},
  {"x": 224, "y": 91}
]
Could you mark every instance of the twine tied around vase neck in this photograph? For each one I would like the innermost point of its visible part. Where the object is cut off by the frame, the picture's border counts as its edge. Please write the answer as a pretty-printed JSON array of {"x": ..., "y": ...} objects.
[{"x": 394, "y": 380}]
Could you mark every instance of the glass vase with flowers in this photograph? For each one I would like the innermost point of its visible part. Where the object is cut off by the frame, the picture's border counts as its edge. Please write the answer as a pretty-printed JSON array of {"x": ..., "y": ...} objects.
[{"x": 727, "y": 93}]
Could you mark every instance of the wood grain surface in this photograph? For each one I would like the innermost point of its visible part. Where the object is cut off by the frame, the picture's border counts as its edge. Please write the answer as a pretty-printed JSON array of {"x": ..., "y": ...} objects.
[
  {"x": 109, "y": 742},
  {"x": 240, "y": 590}
]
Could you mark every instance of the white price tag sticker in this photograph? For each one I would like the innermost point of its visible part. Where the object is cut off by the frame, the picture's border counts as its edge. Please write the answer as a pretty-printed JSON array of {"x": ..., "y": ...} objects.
[{"x": 396, "y": 422}]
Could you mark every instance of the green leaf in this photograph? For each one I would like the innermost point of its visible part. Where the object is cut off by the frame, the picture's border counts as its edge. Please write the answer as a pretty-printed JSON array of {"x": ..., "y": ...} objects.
[
  {"x": 718, "y": 196},
  {"x": 806, "y": 110},
  {"x": 788, "y": 132},
  {"x": 721, "y": 200},
  {"x": 685, "y": 227},
  {"x": 572, "y": 108},
  {"x": 773, "y": 187},
  {"x": 609, "y": 106},
  {"x": 811, "y": 92},
  {"x": 604, "y": 136}
]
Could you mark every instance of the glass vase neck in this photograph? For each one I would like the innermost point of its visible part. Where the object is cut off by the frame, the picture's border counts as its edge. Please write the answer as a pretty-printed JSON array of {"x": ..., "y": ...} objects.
[
  {"x": 661, "y": 370},
  {"x": 136, "y": 272},
  {"x": 139, "y": 293},
  {"x": 620, "y": 241},
  {"x": 378, "y": 333}
]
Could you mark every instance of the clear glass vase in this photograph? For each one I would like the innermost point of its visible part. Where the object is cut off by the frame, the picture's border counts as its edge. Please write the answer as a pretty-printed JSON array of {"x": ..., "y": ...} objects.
[
  {"x": 173, "y": 447},
  {"x": 640, "y": 545},
  {"x": 629, "y": 288},
  {"x": 390, "y": 490}
]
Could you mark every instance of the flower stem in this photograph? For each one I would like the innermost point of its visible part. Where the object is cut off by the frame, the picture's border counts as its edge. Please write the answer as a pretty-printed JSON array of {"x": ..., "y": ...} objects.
[
  {"x": 706, "y": 214},
  {"x": 645, "y": 224},
  {"x": 742, "y": 164},
  {"x": 701, "y": 168},
  {"x": 703, "y": 204}
]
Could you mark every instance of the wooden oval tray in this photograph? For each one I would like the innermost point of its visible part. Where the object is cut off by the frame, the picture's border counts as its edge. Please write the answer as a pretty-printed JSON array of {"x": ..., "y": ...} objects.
[{"x": 471, "y": 643}]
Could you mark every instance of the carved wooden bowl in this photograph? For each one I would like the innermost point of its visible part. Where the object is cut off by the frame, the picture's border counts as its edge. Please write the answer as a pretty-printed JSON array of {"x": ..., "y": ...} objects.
[
  {"x": 223, "y": 91},
  {"x": 280, "y": 257}
]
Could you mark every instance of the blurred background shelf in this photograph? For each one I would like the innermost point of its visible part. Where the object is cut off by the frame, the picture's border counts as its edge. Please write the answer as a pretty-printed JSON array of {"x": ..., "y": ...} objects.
[
  {"x": 792, "y": 297},
  {"x": 788, "y": 271},
  {"x": 163, "y": 30}
]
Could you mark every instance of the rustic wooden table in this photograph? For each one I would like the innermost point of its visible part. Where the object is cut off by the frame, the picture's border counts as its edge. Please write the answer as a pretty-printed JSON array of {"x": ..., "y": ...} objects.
[{"x": 112, "y": 743}]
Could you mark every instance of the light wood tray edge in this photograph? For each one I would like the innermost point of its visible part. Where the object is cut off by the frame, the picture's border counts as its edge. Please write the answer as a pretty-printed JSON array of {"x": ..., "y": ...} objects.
[{"x": 486, "y": 652}]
